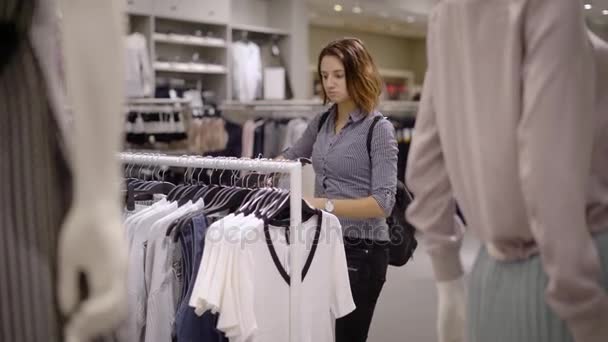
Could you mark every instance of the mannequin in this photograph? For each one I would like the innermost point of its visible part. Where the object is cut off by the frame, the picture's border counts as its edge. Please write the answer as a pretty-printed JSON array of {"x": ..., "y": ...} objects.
[
  {"x": 92, "y": 239},
  {"x": 43, "y": 148},
  {"x": 514, "y": 127}
]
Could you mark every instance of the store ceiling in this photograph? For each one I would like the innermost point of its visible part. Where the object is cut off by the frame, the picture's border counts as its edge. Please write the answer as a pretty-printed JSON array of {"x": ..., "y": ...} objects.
[
  {"x": 393, "y": 17},
  {"x": 406, "y": 18}
]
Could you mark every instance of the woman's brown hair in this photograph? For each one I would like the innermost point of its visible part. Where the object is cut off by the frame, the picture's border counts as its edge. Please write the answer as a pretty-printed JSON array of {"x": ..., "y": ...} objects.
[{"x": 363, "y": 81}]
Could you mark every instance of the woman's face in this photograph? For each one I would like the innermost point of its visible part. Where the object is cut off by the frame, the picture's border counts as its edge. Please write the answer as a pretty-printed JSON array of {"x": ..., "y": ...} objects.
[{"x": 334, "y": 79}]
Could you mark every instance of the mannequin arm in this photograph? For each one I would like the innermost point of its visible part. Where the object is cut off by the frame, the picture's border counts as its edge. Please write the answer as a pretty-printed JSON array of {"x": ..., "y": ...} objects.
[
  {"x": 92, "y": 240},
  {"x": 451, "y": 315},
  {"x": 432, "y": 212}
]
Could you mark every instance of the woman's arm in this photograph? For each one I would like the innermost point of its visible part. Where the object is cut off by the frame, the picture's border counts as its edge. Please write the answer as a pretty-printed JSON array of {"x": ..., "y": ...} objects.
[
  {"x": 359, "y": 208},
  {"x": 303, "y": 147}
]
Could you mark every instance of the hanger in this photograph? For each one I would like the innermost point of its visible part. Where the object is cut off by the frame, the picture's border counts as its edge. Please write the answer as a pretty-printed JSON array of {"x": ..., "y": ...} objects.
[
  {"x": 248, "y": 207},
  {"x": 270, "y": 205},
  {"x": 266, "y": 204},
  {"x": 232, "y": 199},
  {"x": 281, "y": 215},
  {"x": 189, "y": 194},
  {"x": 179, "y": 190}
]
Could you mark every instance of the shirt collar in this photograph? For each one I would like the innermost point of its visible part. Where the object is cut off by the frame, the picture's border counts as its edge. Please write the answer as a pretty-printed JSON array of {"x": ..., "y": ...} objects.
[{"x": 355, "y": 116}]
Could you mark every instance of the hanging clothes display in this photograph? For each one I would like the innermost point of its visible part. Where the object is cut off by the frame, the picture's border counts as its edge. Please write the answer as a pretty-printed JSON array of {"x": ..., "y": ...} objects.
[
  {"x": 207, "y": 132},
  {"x": 178, "y": 263},
  {"x": 139, "y": 78},
  {"x": 155, "y": 126},
  {"x": 247, "y": 70}
]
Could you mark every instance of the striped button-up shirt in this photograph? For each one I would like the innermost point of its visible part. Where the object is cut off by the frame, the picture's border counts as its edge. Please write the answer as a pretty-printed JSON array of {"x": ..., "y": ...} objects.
[{"x": 344, "y": 169}]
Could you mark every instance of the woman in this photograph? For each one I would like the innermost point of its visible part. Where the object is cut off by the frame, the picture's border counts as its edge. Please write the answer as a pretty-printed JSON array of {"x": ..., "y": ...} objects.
[{"x": 356, "y": 185}]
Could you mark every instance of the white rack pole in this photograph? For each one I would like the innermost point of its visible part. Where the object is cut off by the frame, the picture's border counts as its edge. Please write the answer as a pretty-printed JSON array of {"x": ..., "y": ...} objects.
[
  {"x": 297, "y": 240},
  {"x": 295, "y": 171}
]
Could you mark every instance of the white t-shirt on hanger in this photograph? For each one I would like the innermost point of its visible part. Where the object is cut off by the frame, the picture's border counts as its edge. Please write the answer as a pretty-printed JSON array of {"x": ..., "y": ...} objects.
[
  {"x": 247, "y": 70},
  {"x": 254, "y": 295}
]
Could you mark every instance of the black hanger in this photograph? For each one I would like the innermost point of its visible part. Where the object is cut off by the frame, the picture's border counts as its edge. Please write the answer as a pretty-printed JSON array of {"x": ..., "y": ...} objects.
[
  {"x": 188, "y": 194},
  {"x": 161, "y": 187},
  {"x": 281, "y": 215},
  {"x": 180, "y": 190}
]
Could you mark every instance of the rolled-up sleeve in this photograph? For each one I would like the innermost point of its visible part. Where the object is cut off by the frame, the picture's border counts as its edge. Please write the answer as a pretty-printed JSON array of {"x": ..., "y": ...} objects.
[
  {"x": 384, "y": 154},
  {"x": 303, "y": 147}
]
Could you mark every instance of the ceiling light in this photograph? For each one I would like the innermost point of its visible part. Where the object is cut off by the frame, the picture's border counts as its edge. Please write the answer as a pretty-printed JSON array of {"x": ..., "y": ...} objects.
[
  {"x": 588, "y": 6},
  {"x": 605, "y": 12},
  {"x": 338, "y": 8},
  {"x": 357, "y": 10},
  {"x": 410, "y": 19}
]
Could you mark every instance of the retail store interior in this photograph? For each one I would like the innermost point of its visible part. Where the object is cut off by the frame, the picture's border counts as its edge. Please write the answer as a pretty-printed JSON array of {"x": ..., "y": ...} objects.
[
  {"x": 288, "y": 36},
  {"x": 216, "y": 95}
]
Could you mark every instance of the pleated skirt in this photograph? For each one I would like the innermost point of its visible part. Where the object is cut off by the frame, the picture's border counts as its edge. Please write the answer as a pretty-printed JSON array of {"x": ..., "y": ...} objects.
[
  {"x": 507, "y": 300},
  {"x": 34, "y": 197}
]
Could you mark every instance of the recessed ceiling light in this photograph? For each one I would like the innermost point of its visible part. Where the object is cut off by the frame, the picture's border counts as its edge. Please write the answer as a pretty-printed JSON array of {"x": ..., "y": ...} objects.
[
  {"x": 410, "y": 19},
  {"x": 605, "y": 12},
  {"x": 357, "y": 10},
  {"x": 588, "y": 6},
  {"x": 338, "y": 8}
]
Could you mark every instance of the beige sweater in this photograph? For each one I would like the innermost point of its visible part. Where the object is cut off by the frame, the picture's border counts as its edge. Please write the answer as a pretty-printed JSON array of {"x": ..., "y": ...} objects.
[{"x": 511, "y": 127}]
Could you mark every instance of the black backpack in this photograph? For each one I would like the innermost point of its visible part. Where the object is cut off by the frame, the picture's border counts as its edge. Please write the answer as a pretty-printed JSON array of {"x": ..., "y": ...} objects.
[
  {"x": 14, "y": 31},
  {"x": 402, "y": 234}
]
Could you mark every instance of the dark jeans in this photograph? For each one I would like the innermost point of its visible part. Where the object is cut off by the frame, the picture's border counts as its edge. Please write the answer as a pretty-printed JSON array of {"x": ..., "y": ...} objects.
[{"x": 367, "y": 264}]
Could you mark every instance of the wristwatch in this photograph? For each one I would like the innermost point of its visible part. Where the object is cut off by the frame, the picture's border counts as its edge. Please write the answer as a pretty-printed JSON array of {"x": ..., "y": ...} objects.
[{"x": 329, "y": 206}]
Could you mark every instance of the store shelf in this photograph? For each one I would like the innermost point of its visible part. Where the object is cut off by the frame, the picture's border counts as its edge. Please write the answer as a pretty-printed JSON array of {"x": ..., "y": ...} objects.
[
  {"x": 190, "y": 68},
  {"x": 260, "y": 29},
  {"x": 188, "y": 40}
]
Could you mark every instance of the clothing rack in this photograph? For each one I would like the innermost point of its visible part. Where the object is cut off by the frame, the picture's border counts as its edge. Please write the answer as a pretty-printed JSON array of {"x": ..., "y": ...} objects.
[
  {"x": 157, "y": 101},
  {"x": 294, "y": 169},
  {"x": 156, "y": 105}
]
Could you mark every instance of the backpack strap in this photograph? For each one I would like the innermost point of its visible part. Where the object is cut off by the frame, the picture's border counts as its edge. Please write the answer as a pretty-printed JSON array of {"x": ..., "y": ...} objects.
[
  {"x": 370, "y": 135},
  {"x": 322, "y": 120}
]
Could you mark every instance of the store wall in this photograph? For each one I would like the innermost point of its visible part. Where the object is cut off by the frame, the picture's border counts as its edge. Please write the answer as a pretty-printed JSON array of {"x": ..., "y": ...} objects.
[{"x": 389, "y": 52}]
